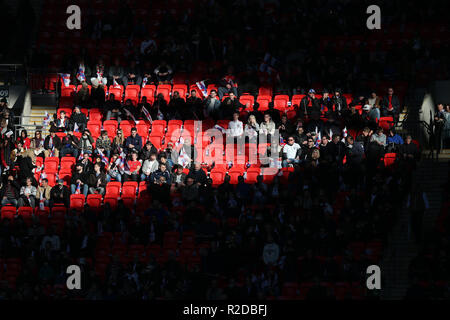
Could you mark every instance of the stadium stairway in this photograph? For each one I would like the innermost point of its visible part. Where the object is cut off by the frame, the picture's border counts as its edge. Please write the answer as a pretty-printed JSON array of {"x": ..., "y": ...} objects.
[
  {"x": 430, "y": 174},
  {"x": 36, "y": 117}
]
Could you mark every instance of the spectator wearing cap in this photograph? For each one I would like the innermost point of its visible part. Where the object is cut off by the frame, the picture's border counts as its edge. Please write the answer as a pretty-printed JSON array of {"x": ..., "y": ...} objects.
[
  {"x": 52, "y": 144},
  {"x": 370, "y": 116},
  {"x": 390, "y": 105},
  {"x": 309, "y": 104},
  {"x": 78, "y": 120},
  {"x": 60, "y": 194},
  {"x": 103, "y": 144},
  {"x": 133, "y": 142},
  {"x": 79, "y": 179}
]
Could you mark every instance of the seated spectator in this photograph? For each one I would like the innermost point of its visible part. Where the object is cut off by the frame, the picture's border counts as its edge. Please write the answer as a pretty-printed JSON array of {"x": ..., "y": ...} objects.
[
  {"x": 149, "y": 166},
  {"x": 98, "y": 160},
  {"x": 37, "y": 144},
  {"x": 43, "y": 194},
  {"x": 325, "y": 103},
  {"x": 291, "y": 153},
  {"x": 227, "y": 84},
  {"x": 212, "y": 106},
  {"x": 230, "y": 105},
  {"x": 147, "y": 151},
  {"x": 198, "y": 174},
  {"x": 27, "y": 194},
  {"x": 52, "y": 144},
  {"x": 286, "y": 128},
  {"x": 143, "y": 104},
  {"x": 111, "y": 109},
  {"x": 159, "y": 110},
  {"x": 337, "y": 149},
  {"x": 78, "y": 120},
  {"x": 364, "y": 137},
  {"x": 167, "y": 160},
  {"x": 353, "y": 119},
  {"x": 97, "y": 93},
  {"x": 103, "y": 144},
  {"x": 113, "y": 170},
  {"x": 267, "y": 127},
  {"x": 115, "y": 73},
  {"x": 163, "y": 73},
  {"x": 193, "y": 108},
  {"x": 300, "y": 137},
  {"x": 377, "y": 145},
  {"x": 258, "y": 114},
  {"x": 10, "y": 192},
  {"x": 86, "y": 163},
  {"x": 132, "y": 75},
  {"x": 178, "y": 178},
  {"x": 374, "y": 100},
  {"x": 252, "y": 128},
  {"x": 118, "y": 142},
  {"x": 393, "y": 141},
  {"x": 26, "y": 142},
  {"x": 134, "y": 166},
  {"x": 97, "y": 181},
  {"x": 390, "y": 106},
  {"x": 69, "y": 145},
  {"x": 83, "y": 96},
  {"x": 161, "y": 172},
  {"x": 190, "y": 191},
  {"x": 86, "y": 143},
  {"x": 79, "y": 181},
  {"x": 133, "y": 142},
  {"x": 60, "y": 194},
  {"x": 177, "y": 106},
  {"x": 370, "y": 116},
  {"x": 62, "y": 124},
  {"x": 235, "y": 127}
]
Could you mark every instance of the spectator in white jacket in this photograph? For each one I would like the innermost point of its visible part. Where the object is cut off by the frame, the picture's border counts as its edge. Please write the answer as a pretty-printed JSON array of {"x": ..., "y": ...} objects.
[
  {"x": 149, "y": 166},
  {"x": 291, "y": 153},
  {"x": 27, "y": 195},
  {"x": 235, "y": 127}
]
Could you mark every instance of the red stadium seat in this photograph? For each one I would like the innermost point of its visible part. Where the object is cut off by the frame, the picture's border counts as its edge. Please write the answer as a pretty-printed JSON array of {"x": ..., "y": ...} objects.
[
  {"x": 149, "y": 92},
  {"x": 247, "y": 98},
  {"x": 126, "y": 126},
  {"x": 94, "y": 201},
  {"x": 111, "y": 200},
  {"x": 111, "y": 127},
  {"x": 59, "y": 212},
  {"x": 159, "y": 127},
  {"x": 68, "y": 91},
  {"x": 66, "y": 175},
  {"x": 39, "y": 162},
  {"x": 156, "y": 140},
  {"x": 143, "y": 128},
  {"x": 113, "y": 189},
  {"x": 265, "y": 91},
  {"x": 77, "y": 202},
  {"x": 386, "y": 123},
  {"x": 25, "y": 212},
  {"x": 132, "y": 93},
  {"x": 263, "y": 102},
  {"x": 252, "y": 174},
  {"x": 217, "y": 177},
  {"x": 165, "y": 90},
  {"x": 95, "y": 116},
  {"x": 129, "y": 188},
  {"x": 51, "y": 165},
  {"x": 68, "y": 112},
  {"x": 95, "y": 128},
  {"x": 296, "y": 99},
  {"x": 8, "y": 212},
  {"x": 67, "y": 163},
  {"x": 389, "y": 159},
  {"x": 281, "y": 102}
]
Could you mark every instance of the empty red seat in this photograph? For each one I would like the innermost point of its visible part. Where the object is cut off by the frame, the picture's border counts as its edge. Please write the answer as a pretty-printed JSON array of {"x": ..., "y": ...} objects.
[
  {"x": 94, "y": 201},
  {"x": 263, "y": 102},
  {"x": 265, "y": 91},
  {"x": 389, "y": 159},
  {"x": 51, "y": 164},
  {"x": 247, "y": 98},
  {"x": 67, "y": 163},
  {"x": 252, "y": 174},
  {"x": 25, "y": 212},
  {"x": 142, "y": 129},
  {"x": 111, "y": 200},
  {"x": 77, "y": 202},
  {"x": 8, "y": 212},
  {"x": 59, "y": 212},
  {"x": 111, "y": 127},
  {"x": 68, "y": 91},
  {"x": 158, "y": 126},
  {"x": 95, "y": 116},
  {"x": 281, "y": 102},
  {"x": 129, "y": 188},
  {"x": 296, "y": 99},
  {"x": 95, "y": 128},
  {"x": 217, "y": 177},
  {"x": 113, "y": 189},
  {"x": 126, "y": 126},
  {"x": 386, "y": 123}
]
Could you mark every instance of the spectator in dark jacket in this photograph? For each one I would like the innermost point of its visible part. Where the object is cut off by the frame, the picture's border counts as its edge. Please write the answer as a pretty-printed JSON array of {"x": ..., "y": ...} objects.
[
  {"x": 52, "y": 144},
  {"x": 60, "y": 194},
  {"x": 78, "y": 120},
  {"x": 9, "y": 192},
  {"x": 227, "y": 85},
  {"x": 62, "y": 123},
  {"x": 161, "y": 172},
  {"x": 79, "y": 180},
  {"x": 97, "y": 181},
  {"x": 309, "y": 104},
  {"x": 133, "y": 142},
  {"x": 69, "y": 144},
  {"x": 390, "y": 105},
  {"x": 197, "y": 173}
]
